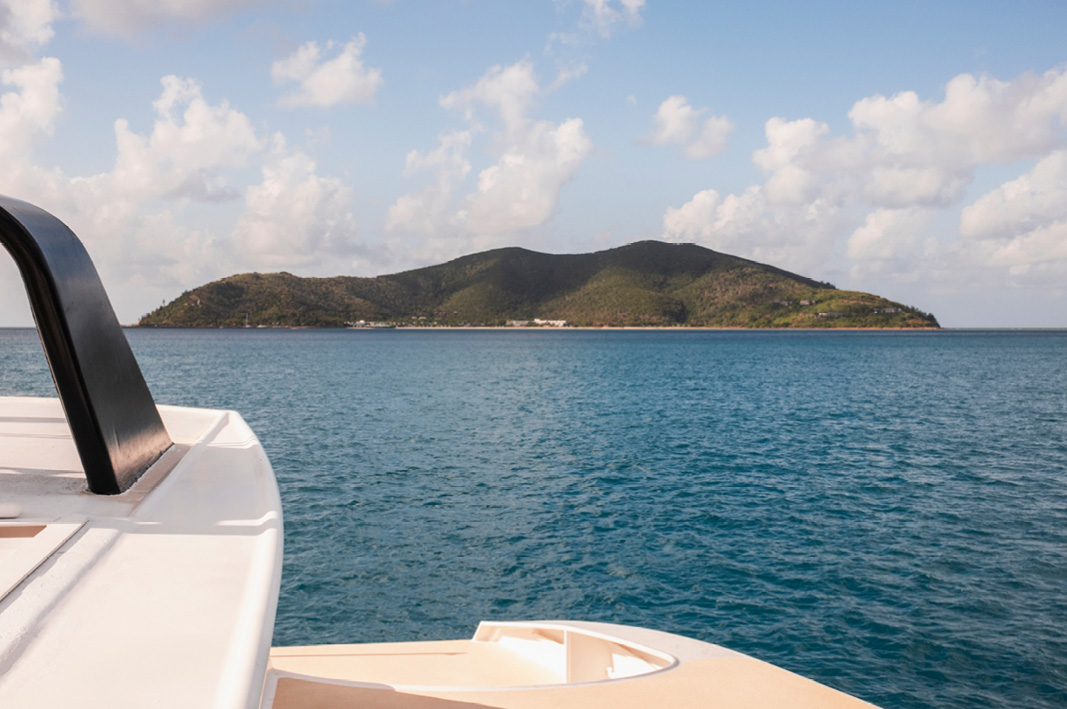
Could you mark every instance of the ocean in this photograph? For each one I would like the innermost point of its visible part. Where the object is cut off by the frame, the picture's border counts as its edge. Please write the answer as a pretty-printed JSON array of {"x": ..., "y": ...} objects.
[{"x": 884, "y": 512}]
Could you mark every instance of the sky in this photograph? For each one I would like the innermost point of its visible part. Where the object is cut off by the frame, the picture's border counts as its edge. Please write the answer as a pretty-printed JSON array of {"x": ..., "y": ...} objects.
[{"x": 917, "y": 150}]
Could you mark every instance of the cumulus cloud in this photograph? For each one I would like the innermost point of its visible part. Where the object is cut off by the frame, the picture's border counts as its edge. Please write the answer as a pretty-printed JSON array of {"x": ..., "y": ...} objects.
[
  {"x": 1040, "y": 253},
  {"x": 1022, "y": 224},
  {"x": 25, "y": 26},
  {"x": 325, "y": 81},
  {"x": 889, "y": 245},
  {"x": 678, "y": 123},
  {"x": 871, "y": 196},
  {"x": 426, "y": 211},
  {"x": 886, "y": 233},
  {"x": 131, "y": 216},
  {"x": 510, "y": 90},
  {"x": 177, "y": 209},
  {"x": 981, "y": 120},
  {"x": 191, "y": 143},
  {"x": 30, "y": 111},
  {"x": 752, "y": 224},
  {"x": 606, "y": 16},
  {"x": 295, "y": 217},
  {"x": 1036, "y": 200},
  {"x": 128, "y": 18},
  {"x": 521, "y": 189}
]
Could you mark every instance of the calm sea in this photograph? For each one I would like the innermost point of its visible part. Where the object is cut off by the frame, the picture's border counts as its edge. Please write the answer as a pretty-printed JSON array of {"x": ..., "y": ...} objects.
[{"x": 882, "y": 512}]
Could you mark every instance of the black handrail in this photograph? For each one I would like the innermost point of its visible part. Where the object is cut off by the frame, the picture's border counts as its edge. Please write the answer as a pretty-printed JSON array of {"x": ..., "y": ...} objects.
[{"x": 114, "y": 421}]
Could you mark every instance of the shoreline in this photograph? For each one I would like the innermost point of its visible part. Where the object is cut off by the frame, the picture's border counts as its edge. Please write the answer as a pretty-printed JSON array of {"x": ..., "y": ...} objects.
[
  {"x": 1061, "y": 329},
  {"x": 635, "y": 328}
]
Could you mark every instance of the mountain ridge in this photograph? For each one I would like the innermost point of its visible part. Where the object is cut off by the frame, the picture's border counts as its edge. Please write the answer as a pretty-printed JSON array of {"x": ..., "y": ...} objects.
[{"x": 646, "y": 283}]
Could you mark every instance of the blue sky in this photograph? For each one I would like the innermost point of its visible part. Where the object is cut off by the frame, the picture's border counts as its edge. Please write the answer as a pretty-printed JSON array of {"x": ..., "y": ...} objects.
[{"x": 917, "y": 150}]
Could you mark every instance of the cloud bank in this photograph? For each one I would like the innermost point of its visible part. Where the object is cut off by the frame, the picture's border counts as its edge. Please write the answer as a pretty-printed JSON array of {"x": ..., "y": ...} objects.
[
  {"x": 177, "y": 207},
  {"x": 879, "y": 189}
]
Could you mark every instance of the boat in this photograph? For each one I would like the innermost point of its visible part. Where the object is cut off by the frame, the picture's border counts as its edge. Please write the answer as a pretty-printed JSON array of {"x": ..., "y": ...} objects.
[{"x": 141, "y": 557}]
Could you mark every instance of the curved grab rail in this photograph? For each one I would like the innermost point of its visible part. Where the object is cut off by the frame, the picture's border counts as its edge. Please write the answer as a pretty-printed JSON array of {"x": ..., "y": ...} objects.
[{"x": 112, "y": 416}]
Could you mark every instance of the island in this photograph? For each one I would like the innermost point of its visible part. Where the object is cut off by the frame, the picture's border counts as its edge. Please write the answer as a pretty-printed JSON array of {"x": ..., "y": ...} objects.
[{"x": 644, "y": 284}]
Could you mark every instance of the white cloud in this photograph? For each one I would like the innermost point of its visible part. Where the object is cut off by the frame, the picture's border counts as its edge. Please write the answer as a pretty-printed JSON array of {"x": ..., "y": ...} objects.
[
  {"x": 163, "y": 252},
  {"x": 605, "y": 16},
  {"x": 28, "y": 114},
  {"x": 128, "y": 18},
  {"x": 170, "y": 213},
  {"x": 426, "y": 212},
  {"x": 30, "y": 111},
  {"x": 675, "y": 122},
  {"x": 751, "y": 224},
  {"x": 905, "y": 151},
  {"x": 678, "y": 123},
  {"x": 696, "y": 220},
  {"x": 712, "y": 138},
  {"x": 136, "y": 219},
  {"x": 191, "y": 143},
  {"x": 295, "y": 218},
  {"x": 1040, "y": 252},
  {"x": 1034, "y": 201},
  {"x": 521, "y": 189},
  {"x": 510, "y": 90},
  {"x": 872, "y": 197},
  {"x": 326, "y": 82},
  {"x": 25, "y": 26},
  {"x": 1022, "y": 225},
  {"x": 789, "y": 142},
  {"x": 890, "y": 245},
  {"x": 981, "y": 121},
  {"x": 131, "y": 218},
  {"x": 886, "y": 234}
]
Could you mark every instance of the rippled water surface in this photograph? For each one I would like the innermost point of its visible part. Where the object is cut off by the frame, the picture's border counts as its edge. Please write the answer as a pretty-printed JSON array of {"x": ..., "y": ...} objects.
[{"x": 882, "y": 512}]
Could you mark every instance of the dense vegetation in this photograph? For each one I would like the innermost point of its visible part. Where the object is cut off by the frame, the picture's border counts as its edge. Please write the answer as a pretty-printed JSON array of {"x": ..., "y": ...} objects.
[{"x": 648, "y": 283}]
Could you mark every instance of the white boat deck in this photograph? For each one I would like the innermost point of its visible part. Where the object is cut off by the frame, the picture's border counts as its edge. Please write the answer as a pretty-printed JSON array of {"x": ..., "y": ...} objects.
[{"x": 163, "y": 596}]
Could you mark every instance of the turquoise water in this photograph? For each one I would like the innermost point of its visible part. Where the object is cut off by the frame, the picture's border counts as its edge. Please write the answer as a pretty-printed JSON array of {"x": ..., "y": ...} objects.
[{"x": 882, "y": 512}]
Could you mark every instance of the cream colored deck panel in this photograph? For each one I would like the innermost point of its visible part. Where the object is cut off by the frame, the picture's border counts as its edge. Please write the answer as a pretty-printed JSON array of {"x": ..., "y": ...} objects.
[
  {"x": 485, "y": 672},
  {"x": 713, "y": 683},
  {"x": 444, "y": 662}
]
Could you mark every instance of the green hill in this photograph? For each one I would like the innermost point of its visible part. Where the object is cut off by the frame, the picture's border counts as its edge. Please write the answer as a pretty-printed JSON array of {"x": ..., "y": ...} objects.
[{"x": 648, "y": 283}]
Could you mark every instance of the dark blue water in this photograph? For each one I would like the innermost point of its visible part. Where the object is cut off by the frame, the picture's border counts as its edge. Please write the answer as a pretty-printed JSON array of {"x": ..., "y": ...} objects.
[{"x": 882, "y": 512}]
